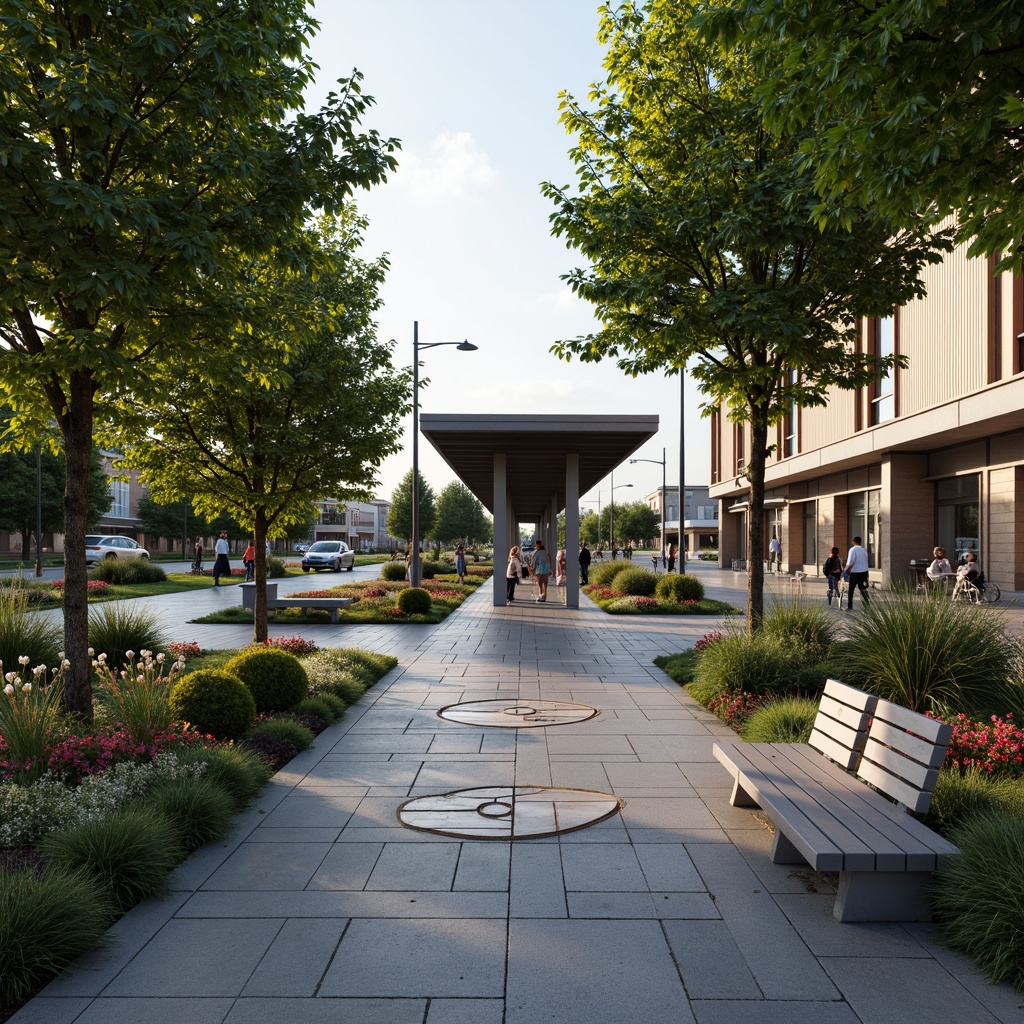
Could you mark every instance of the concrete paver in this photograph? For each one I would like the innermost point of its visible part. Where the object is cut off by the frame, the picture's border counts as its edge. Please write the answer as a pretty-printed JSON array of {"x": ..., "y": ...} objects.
[{"x": 320, "y": 906}]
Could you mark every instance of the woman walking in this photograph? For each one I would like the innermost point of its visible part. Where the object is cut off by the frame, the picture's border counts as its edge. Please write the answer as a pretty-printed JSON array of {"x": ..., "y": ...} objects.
[
  {"x": 515, "y": 567},
  {"x": 221, "y": 566}
]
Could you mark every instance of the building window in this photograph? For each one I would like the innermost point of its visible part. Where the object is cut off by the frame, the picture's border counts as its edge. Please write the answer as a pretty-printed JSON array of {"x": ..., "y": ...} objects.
[
  {"x": 121, "y": 508},
  {"x": 1018, "y": 323},
  {"x": 883, "y": 397},
  {"x": 810, "y": 509},
  {"x": 959, "y": 515},
  {"x": 739, "y": 447},
  {"x": 862, "y": 509},
  {"x": 716, "y": 446},
  {"x": 792, "y": 418}
]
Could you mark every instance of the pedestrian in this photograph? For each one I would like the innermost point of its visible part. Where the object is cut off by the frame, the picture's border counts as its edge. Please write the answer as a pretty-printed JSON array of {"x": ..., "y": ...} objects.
[
  {"x": 541, "y": 570},
  {"x": 221, "y": 566},
  {"x": 584, "y": 563},
  {"x": 268, "y": 548},
  {"x": 560, "y": 568},
  {"x": 833, "y": 570},
  {"x": 774, "y": 554},
  {"x": 197, "y": 557},
  {"x": 249, "y": 561},
  {"x": 672, "y": 557},
  {"x": 460, "y": 561},
  {"x": 857, "y": 567},
  {"x": 515, "y": 567}
]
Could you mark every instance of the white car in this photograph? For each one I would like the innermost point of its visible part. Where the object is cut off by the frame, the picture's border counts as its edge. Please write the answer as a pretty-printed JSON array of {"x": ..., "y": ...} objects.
[
  {"x": 329, "y": 554},
  {"x": 98, "y": 548}
]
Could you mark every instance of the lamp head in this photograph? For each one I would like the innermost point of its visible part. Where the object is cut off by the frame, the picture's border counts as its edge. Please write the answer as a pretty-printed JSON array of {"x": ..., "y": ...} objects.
[{"x": 465, "y": 346}]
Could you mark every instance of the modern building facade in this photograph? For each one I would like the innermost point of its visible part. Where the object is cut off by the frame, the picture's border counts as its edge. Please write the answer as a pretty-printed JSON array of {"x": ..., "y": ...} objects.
[
  {"x": 931, "y": 454},
  {"x": 360, "y": 524},
  {"x": 700, "y": 517}
]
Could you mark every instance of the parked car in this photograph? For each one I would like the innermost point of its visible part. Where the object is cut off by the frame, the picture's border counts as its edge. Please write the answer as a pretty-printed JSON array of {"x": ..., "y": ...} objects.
[
  {"x": 301, "y": 547},
  {"x": 98, "y": 548},
  {"x": 329, "y": 554}
]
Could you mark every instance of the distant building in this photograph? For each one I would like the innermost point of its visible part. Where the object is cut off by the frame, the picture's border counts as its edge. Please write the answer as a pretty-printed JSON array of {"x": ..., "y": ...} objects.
[
  {"x": 932, "y": 454},
  {"x": 700, "y": 517},
  {"x": 361, "y": 524}
]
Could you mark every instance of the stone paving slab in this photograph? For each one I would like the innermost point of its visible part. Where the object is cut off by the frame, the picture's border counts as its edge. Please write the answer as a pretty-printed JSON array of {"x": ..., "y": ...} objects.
[{"x": 321, "y": 907}]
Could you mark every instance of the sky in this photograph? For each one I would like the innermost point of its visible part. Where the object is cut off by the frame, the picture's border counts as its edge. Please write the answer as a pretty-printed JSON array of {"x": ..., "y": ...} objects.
[{"x": 471, "y": 88}]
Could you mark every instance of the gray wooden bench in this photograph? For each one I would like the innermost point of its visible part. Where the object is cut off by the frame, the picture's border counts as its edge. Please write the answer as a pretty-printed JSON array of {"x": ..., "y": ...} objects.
[
  {"x": 330, "y": 604},
  {"x": 841, "y": 822}
]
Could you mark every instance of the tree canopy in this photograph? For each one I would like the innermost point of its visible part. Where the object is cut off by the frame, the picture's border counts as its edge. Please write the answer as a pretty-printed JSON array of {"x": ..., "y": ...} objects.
[
  {"x": 305, "y": 401},
  {"x": 143, "y": 147},
  {"x": 917, "y": 106},
  {"x": 399, "y": 520},
  {"x": 696, "y": 221},
  {"x": 459, "y": 515}
]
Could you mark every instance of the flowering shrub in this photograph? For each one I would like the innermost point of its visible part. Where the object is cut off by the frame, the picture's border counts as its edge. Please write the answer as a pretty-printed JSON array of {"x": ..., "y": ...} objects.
[
  {"x": 292, "y": 644},
  {"x": 599, "y": 592},
  {"x": 995, "y": 749},
  {"x": 94, "y": 586},
  {"x": 135, "y": 696},
  {"x": 708, "y": 639},
  {"x": 315, "y": 593},
  {"x": 397, "y": 613},
  {"x": 29, "y": 717},
  {"x": 184, "y": 649},
  {"x": 735, "y": 708},
  {"x": 375, "y": 592},
  {"x": 77, "y": 757}
]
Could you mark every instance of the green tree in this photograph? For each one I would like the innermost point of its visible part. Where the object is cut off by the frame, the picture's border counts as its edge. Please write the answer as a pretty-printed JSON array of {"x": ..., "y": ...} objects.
[
  {"x": 400, "y": 514},
  {"x": 696, "y": 223},
  {"x": 458, "y": 516},
  {"x": 590, "y": 528},
  {"x": 918, "y": 106},
  {"x": 18, "y": 494},
  {"x": 145, "y": 145},
  {"x": 639, "y": 522},
  {"x": 295, "y": 427},
  {"x": 171, "y": 521}
]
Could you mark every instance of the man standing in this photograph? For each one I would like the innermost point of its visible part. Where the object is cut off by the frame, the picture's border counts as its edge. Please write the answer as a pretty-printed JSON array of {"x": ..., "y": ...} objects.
[
  {"x": 584, "y": 563},
  {"x": 775, "y": 555},
  {"x": 857, "y": 567}
]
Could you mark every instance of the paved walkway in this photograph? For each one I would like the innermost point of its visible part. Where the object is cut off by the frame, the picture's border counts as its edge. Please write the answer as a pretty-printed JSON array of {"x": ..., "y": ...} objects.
[{"x": 321, "y": 907}]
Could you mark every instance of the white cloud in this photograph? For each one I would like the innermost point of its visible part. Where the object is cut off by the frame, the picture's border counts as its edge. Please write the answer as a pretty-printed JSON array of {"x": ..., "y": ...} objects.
[{"x": 452, "y": 168}]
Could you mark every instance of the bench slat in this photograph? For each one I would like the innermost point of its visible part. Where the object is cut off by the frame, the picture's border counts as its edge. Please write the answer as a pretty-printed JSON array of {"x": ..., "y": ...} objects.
[
  {"x": 850, "y": 717},
  {"x": 915, "y": 799},
  {"x": 838, "y": 751},
  {"x": 923, "y": 751},
  {"x": 930, "y": 729}
]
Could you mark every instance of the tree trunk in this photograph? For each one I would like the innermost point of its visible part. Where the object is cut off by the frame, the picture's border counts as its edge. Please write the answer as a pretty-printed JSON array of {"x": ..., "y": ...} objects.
[
  {"x": 76, "y": 428},
  {"x": 259, "y": 614},
  {"x": 755, "y": 519}
]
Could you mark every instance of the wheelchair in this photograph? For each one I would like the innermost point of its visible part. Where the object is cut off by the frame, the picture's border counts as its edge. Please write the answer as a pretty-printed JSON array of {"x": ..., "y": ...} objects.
[{"x": 975, "y": 591}]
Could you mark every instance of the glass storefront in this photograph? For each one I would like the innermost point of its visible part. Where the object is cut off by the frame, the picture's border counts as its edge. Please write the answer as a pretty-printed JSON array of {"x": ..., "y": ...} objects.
[
  {"x": 810, "y": 510},
  {"x": 862, "y": 509},
  {"x": 959, "y": 516}
]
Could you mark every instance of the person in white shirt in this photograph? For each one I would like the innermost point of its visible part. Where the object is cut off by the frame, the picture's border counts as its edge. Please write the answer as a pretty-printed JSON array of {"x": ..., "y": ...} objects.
[
  {"x": 857, "y": 567},
  {"x": 775, "y": 555},
  {"x": 221, "y": 566}
]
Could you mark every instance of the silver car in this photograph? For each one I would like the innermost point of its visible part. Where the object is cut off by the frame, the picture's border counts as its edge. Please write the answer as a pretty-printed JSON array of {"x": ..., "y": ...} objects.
[
  {"x": 329, "y": 554},
  {"x": 98, "y": 548}
]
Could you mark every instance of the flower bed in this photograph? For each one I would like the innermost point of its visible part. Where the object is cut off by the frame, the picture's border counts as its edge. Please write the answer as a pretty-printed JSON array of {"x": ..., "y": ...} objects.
[{"x": 616, "y": 603}]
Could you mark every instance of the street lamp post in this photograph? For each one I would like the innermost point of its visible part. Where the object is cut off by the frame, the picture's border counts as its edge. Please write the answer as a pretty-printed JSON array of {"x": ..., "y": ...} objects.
[
  {"x": 664, "y": 497},
  {"x": 611, "y": 513},
  {"x": 39, "y": 509},
  {"x": 461, "y": 346}
]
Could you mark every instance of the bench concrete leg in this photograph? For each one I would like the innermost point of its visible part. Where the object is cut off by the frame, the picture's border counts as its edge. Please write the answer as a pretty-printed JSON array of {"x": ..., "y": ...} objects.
[
  {"x": 740, "y": 797},
  {"x": 334, "y": 616},
  {"x": 882, "y": 896},
  {"x": 784, "y": 852}
]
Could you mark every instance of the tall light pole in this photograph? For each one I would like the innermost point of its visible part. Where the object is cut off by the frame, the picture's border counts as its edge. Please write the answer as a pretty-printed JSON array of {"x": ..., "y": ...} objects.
[
  {"x": 461, "y": 346},
  {"x": 39, "y": 509},
  {"x": 611, "y": 513},
  {"x": 664, "y": 498},
  {"x": 682, "y": 459}
]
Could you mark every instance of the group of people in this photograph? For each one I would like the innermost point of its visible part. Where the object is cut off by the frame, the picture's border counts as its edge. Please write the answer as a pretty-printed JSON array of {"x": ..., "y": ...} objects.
[
  {"x": 221, "y": 564},
  {"x": 855, "y": 570},
  {"x": 540, "y": 569},
  {"x": 939, "y": 570}
]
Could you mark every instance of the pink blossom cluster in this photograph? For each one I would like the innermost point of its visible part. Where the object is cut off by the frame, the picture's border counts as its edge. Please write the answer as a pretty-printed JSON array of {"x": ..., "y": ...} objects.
[
  {"x": 315, "y": 593},
  {"x": 601, "y": 593},
  {"x": 646, "y": 603},
  {"x": 95, "y": 586},
  {"x": 735, "y": 708},
  {"x": 291, "y": 644},
  {"x": 995, "y": 747},
  {"x": 708, "y": 639},
  {"x": 184, "y": 649},
  {"x": 375, "y": 592},
  {"x": 396, "y": 613}
]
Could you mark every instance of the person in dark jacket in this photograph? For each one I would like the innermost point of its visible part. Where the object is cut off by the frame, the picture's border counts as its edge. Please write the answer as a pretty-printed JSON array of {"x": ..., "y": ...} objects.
[
  {"x": 584, "y": 563},
  {"x": 833, "y": 570}
]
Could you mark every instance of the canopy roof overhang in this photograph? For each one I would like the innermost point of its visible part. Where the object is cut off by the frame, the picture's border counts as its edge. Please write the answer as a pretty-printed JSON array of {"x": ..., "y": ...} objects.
[{"x": 535, "y": 450}]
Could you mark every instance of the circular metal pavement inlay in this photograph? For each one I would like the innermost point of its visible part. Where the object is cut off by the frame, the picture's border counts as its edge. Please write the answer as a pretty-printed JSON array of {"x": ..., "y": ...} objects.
[
  {"x": 508, "y": 812},
  {"x": 512, "y": 713}
]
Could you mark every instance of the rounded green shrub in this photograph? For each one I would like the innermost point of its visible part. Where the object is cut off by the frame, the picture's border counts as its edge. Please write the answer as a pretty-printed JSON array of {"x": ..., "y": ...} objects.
[
  {"x": 636, "y": 582},
  {"x": 604, "y": 572},
  {"x": 130, "y": 853},
  {"x": 680, "y": 587},
  {"x": 739, "y": 663},
  {"x": 979, "y": 896},
  {"x": 316, "y": 706},
  {"x": 235, "y": 770},
  {"x": 124, "y": 626},
  {"x": 276, "y": 569},
  {"x": 275, "y": 678},
  {"x": 345, "y": 688},
  {"x": 782, "y": 721},
  {"x": 286, "y": 730},
  {"x": 393, "y": 571},
  {"x": 413, "y": 601},
  {"x": 47, "y": 921},
  {"x": 199, "y": 810},
  {"x": 432, "y": 569},
  {"x": 127, "y": 572},
  {"x": 214, "y": 702}
]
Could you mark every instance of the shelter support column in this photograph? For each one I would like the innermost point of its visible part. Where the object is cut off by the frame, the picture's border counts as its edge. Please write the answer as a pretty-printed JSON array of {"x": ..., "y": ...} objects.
[
  {"x": 572, "y": 531},
  {"x": 501, "y": 529}
]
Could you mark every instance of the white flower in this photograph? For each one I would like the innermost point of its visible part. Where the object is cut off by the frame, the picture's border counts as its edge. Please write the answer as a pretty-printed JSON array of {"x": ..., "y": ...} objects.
[
  {"x": 91, "y": 652},
  {"x": 64, "y": 663},
  {"x": 23, "y": 660},
  {"x": 160, "y": 658},
  {"x": 26, "y": 688},
  {"x": 61, "y": 655},
  {"x": 39, "y": 670},
  {"x": 144, "y": 654},
  {"x": 129, "y": 654},
  {"x": 8, "y": 689},
  {"x": 101, "y": 659},
  {"x": 11, "y": 676}
]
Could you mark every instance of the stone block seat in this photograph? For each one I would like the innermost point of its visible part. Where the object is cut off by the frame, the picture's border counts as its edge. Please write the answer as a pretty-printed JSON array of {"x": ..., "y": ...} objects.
[
  {"x": 843, "y": 802},
  {"x": 331, "y": 604}
]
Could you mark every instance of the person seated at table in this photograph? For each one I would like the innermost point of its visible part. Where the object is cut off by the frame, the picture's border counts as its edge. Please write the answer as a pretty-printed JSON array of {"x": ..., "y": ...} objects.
[
  {"x": 969, "y": 568},
  {"x": 939, "y": 568}
]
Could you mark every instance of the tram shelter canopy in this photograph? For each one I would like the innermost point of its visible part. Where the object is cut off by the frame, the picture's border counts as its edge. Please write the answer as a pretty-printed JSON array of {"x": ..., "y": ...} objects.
[{"x": 528, "y": 468}]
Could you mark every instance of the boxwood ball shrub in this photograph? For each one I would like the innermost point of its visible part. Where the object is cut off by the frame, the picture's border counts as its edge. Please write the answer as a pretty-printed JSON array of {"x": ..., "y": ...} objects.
[
  {"x": 215, "y": 702},
  {"x": 393, "y": 571},
  {"x": 680, "y": 587},
  {"x": 432, "y": 569},
  {"x": 128, "y": 571},
  {"x": 413, "y": 601},
  {"x": 604, "y": 572},
  {"x": 636, "y": 582},
  {"x": 275, "y": 678}
]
